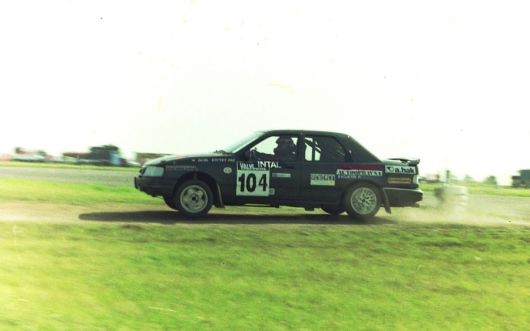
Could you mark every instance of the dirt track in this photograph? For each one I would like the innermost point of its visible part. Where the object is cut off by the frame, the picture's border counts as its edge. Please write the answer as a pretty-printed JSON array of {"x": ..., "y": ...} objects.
[{"x": 482, "y": 210}]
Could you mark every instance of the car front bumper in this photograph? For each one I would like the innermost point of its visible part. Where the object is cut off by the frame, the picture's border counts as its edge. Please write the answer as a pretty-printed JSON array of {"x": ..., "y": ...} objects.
[
  {"x": 401, "y": 197},
  {"x": 154, "y": 186}
]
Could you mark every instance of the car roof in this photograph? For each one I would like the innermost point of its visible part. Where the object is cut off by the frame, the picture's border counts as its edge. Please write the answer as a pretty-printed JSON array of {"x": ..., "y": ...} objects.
[
  {"x": 305, "y": 132},
  {"x": 362, "y": 153}
]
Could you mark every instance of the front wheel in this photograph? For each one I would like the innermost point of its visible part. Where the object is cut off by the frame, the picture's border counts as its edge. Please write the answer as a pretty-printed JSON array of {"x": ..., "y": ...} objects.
[
  {"x": 362, "y": 201},
  {"x": 170, "y": 202},
  {"x": 193, "y": 198}
]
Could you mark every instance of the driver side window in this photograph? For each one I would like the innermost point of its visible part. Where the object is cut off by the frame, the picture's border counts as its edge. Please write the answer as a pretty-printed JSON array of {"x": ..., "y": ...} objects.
[{"x": 275, "y": 148}]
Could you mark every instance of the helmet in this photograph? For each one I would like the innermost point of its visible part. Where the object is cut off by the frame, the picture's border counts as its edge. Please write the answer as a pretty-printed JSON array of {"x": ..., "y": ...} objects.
[{"x": 284, "y": 140}]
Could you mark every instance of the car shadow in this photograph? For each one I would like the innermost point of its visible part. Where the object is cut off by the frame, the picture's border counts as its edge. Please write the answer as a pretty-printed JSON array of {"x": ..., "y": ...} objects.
[{"x": 172, "y": 217}]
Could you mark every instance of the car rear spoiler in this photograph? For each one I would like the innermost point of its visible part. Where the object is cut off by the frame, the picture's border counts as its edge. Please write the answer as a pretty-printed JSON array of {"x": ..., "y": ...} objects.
[{"x": 411, "y": 162}]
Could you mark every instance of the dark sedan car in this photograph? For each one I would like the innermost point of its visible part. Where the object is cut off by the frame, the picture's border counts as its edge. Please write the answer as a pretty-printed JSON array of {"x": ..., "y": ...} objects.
[{"x": 309, "y": 169}]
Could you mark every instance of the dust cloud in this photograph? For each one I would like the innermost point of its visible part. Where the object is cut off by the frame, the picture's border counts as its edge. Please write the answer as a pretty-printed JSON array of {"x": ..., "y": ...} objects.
[{"x": 480, "y": 210}]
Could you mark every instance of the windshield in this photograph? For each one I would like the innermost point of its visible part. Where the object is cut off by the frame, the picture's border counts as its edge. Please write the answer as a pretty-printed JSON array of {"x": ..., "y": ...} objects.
[{"x": 235, "y": 147}]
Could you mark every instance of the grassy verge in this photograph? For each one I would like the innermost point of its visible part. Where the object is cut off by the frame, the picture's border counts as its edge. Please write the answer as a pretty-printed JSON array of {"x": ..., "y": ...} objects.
[
  {"x": 64, "y": 166},
  {"x": 476, "y": 188},
  {"x": 498, "y": 190},
  {"x": 79, "y": 194},
  {"x": 69, "y": 193},
  {"x": 194, "y": 277}
]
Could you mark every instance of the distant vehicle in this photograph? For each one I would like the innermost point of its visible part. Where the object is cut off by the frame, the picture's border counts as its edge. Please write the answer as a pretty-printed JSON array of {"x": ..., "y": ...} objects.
[
  {"x": 29, "y": 158},
  {"x": 106, "y": 155},
  {"x": 28, "y": 155},
  {"x": 523, "y": 180},
  {"x": 309, "y": 169}
]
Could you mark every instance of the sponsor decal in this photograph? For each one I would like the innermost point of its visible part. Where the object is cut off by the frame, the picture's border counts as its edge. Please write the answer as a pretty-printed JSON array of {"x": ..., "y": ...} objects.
[
  {"x": 359, "y": 170},
  {"x": 223, "y": 159},
  {"x": 322, "y": 180},
  {"x": 181, "y": 168},
  {"x": 252, "y": 179},
  {"x": 281, "y": 175},
  {"x": 400, "y": 170},
  {"x": 356, "y": 173},
  {"x": 362, "y": 167},
  {"x": 202, "y": 160},
  {"x": 399, "y": 180},
  {"x": 227, "y": 170},
  {"x": 253, "y": 182},
  {"x": 258, "y": 165}
]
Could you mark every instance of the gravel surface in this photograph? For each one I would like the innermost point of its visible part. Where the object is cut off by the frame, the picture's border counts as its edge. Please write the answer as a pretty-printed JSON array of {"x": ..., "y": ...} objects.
[{"x": 482, "y": 211}]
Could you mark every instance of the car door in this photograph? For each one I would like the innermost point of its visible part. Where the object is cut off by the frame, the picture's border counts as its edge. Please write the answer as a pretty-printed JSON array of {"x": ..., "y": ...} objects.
[
  {"x": 268, "y": 171},
  {"x": 322, "y": 155}
]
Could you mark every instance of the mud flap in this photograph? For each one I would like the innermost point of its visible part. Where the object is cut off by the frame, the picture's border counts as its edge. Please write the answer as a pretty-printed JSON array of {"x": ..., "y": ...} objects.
[
  {"x": 386, "y": 202},
  {"x": 219, "y": 201}
]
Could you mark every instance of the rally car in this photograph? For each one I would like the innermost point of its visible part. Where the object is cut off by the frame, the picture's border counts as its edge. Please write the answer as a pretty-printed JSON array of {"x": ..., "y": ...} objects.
[{"x": 309, "y": 169}]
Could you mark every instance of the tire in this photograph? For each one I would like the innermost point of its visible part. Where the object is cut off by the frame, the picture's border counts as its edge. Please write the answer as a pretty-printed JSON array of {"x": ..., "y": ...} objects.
[
  {"x": 170, "y": 202},
  {"x": 193, "y": 198},
  {"x": 334, "y": 211},
  {"x": 362, "y": 201}
]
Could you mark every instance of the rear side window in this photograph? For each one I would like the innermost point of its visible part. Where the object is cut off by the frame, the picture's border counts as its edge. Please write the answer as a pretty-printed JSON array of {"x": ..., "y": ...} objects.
[{"x": 323, "y": 149}]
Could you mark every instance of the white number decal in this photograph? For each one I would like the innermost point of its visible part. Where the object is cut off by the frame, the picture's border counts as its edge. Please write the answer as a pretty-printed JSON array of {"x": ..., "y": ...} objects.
[{"x": 253, "y": 182}]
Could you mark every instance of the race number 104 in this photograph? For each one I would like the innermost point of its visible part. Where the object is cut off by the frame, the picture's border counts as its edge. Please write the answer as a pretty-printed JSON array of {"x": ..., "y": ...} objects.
[{"x": 253, "y": 182}]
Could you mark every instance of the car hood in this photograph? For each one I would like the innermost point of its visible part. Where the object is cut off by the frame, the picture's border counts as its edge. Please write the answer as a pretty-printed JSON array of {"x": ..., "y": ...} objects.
[{"x": 183, "y": 158}]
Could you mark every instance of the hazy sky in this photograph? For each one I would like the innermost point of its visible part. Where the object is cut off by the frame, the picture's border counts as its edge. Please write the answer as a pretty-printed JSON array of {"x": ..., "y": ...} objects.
[{"x": 445, "y": 81}]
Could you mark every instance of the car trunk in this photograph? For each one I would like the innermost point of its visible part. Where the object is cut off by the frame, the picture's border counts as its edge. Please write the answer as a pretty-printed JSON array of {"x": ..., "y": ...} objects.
[{"x": 402, "y": 172}]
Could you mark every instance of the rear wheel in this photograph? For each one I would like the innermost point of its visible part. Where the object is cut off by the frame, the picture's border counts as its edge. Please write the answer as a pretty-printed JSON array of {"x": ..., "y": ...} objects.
[
  {"x": 362, "y": 201},
  {"x": 170, "y": 202},
  {"x": 193, "y": 198}
]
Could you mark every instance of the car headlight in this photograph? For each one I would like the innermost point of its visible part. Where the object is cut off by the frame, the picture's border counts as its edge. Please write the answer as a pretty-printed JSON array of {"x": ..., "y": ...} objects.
[{"x": 153, "y": 171}]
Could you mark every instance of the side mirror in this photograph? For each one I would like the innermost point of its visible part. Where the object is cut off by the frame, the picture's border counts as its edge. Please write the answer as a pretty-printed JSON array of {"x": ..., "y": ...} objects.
[{"x": 246, "y": 155}]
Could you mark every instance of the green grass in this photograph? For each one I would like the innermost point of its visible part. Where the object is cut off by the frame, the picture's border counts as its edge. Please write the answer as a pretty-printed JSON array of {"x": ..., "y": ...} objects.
[
  {"x": 70, "y": 193},
  {"x": 64, "y": 166},
  {"x": 478, "y": 188},
  {"x": 228, "y": 277}
]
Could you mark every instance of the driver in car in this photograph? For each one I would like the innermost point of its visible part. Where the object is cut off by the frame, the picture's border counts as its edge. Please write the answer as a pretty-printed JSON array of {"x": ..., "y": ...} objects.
[{"x": 285, "y": 149}]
